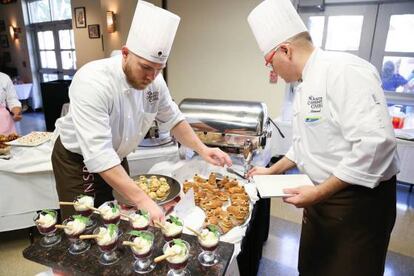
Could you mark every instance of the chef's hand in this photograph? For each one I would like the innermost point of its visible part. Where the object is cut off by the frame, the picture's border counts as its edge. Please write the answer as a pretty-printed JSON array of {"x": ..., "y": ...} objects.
[
  {"x": 258, "y": 170},
  {"x": 216, "y": 156},
  {"x": 302, "y": 196},
  {"x": 17, "y": 113},
  {"x": 155, "y": 211}
]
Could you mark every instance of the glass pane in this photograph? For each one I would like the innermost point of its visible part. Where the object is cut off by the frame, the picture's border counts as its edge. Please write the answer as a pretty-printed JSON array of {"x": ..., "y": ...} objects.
[
  {"x": 398, "y": 74},
  {"x": 65, "y": 39},
  {"x": 315, "y": 26},
  {"x": 400, "y": 38},
  {"x": 61, "y": 9},
  {"x": 49, "y": 77},
  {"x": 344, "y": 32},
  {"x": 39, "y": 11},
  {"x": 46, "y": 41},
  {"x": 67, "y": 77},
  {"x": 68, "y": 59},
  {"x": 48, "y": 59}
]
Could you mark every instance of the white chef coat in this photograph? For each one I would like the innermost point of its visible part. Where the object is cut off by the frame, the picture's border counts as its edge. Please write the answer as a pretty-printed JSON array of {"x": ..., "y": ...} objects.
[
  {"x": 341, "y": 125},
  {"x": 8, "y": 95},
  {"x": 108, "y": 118}
]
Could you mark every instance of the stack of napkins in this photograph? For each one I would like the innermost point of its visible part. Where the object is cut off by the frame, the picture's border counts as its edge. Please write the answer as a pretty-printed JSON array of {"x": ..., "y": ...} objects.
[{"x": 273, "y": 185}]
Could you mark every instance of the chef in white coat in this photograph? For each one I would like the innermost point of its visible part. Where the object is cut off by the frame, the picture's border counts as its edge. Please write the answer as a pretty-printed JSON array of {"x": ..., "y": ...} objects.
[
  {"x": 10, "y": 106},
  {"x": 342, "y": 139},
  {"x": 113, "y": 103}
]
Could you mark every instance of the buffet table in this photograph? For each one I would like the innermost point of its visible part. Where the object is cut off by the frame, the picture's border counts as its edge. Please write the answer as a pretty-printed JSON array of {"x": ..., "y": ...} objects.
[
  {"x": 87, "y": 263},
  {"x": 28, "y": 184}
]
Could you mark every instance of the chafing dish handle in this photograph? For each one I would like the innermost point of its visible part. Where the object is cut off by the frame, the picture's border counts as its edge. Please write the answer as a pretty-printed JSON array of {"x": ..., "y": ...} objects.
[{"x": 278, "y": 129}]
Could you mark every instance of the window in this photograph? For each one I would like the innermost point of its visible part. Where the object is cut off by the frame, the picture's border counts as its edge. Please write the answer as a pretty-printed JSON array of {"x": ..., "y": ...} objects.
[
  {"x": 51, "y": 28},
  {"x": 378, "y": 32}
]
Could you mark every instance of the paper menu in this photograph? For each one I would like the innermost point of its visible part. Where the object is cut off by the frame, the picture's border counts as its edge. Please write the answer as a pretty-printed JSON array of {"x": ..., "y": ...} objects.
[{"x": 273, "y": 185}]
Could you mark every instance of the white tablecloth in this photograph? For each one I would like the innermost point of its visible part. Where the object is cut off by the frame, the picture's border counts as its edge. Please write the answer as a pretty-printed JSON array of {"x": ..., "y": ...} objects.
[
  {"x": 27, "y": 183},
  {"x": 24, "y": 90},
  {"x": 405, "y": 151}
]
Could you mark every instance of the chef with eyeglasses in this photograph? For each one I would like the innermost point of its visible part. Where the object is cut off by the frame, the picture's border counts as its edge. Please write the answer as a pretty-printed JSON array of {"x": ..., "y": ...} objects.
[{"x": 113, "y": 103}]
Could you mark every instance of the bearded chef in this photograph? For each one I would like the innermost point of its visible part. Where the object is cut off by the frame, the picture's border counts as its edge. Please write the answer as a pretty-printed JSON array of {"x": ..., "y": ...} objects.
[
  {"x": 342, "y": 139},
  {"x": 113, "y": 103},
  {"x": 8, "y": 101}
]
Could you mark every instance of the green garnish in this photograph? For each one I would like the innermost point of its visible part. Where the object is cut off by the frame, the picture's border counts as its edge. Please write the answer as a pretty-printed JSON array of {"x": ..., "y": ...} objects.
[
  {"x": 112, "y": 229},
  {"x": 115, "y": 208},
  {"x": 49, "y": 212},
  {"x": 175, "y": 220},
  {"x": 82, "y": 219},
  {"x": 144, "y": 213},
  {"x": 135, "y": 233},
  {"x": 213, "y": 228},
  {"x": 179, "y": 242},
  {"x": 141, "y": 234}
]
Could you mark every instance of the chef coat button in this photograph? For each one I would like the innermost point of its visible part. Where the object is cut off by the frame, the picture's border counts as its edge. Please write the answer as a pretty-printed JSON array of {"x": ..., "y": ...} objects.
[
  {"x": 129, "y": 116},
  {"x": 126, "y": 139},
  {"x": 301, "y": 164},
  {"x": 140, "y": 133}
]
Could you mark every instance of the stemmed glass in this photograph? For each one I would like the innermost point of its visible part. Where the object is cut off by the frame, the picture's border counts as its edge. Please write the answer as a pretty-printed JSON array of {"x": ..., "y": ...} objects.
[
  {"x": 177, "y": 263},
  {"x": 74, "y": 226},
  {"x": 84, "y": 205},
  {"x": 107, "y": 240},
  {"x": 45, "y": 222},
  {"x": 208, "y": 240},
  {"x": 142, "y": 251},
  {"x": 110, "y": 212},
  {"x": 139, "y": 220}
]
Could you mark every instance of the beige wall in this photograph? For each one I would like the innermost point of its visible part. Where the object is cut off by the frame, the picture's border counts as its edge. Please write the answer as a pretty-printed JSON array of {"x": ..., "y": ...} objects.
[
  {"x": 12, "y": 15},
  {"x": 88, "y": 49},
  {"x": 216, "y": 56}
]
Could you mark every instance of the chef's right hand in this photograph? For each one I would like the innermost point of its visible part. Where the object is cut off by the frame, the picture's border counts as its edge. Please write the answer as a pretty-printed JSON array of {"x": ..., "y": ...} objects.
[
  {"x": 258, "y": 170},
  {"x": 156, "y": 213}
]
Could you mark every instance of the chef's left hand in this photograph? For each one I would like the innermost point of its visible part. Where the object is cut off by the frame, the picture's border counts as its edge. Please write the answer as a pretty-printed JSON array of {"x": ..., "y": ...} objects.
[
  {"x": 216, "y": 156},
  {"x": 302, "y": 196}
]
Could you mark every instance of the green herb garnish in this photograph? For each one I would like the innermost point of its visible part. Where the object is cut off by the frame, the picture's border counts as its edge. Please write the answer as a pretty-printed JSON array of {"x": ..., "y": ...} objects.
[
  {"x": 179, "y": 242},
  {"x": 115, "y": 208},
  {"x": 213, "y": 228},
  {"x": 82, "y": 219},
  {"x": 112, "y": 229},
  {"x": 143, "y": 213},
  {"x": 175, "y": 220},
  {"x": 141, "y": 234},
  {"x": 49, "y": 212}
]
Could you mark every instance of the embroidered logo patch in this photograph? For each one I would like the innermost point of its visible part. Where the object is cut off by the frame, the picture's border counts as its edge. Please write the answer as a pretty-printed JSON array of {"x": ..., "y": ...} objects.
[
  {"x": 152, "y": 96},
  {"x": 315, "y": 104}
]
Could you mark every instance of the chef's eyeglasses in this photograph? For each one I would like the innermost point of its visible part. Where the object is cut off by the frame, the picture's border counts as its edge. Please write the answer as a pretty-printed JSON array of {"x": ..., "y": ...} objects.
[{"x": 269, "y": 60}]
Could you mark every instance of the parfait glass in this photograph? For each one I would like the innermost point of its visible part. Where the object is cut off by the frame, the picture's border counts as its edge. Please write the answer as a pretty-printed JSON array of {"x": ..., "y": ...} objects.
[
  {"x": 109, "y": 254},
  {"x": 177, "y": 267},
  {"x": 166, "y": 231},
  {"x": 143, "y": 261},
  {"x": 50, "y": 238},
  {"x": 114, "y": 213},
  {"x": 140, "y": 220},
  {"x": 208, "y": 244},
  {"x": 86, "y": 212},
  {"x": 77, "y": 246}
]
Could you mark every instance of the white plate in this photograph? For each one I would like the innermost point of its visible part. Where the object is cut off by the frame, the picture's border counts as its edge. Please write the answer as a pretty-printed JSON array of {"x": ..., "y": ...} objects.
[
  {"x": 32, "y": 139},
  {"x": 273, "y": 185}
]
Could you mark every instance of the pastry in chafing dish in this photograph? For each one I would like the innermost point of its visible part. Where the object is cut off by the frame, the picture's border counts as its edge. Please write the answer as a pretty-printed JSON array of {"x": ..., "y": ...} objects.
[{"x": 157, "y": 189}]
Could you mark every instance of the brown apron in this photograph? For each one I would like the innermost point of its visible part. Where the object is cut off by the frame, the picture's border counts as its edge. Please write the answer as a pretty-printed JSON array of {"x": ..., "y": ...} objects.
[
  {"x": 348, "y": 234},
  {"x": 73, "y": 179}
]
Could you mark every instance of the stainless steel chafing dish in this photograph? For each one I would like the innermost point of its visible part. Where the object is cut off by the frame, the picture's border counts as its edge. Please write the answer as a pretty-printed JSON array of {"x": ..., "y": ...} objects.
[{"x": 238, "y": 127}]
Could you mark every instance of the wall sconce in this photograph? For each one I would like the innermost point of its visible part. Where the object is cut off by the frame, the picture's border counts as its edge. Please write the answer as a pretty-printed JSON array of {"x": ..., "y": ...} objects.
[
  {"x": 14, "y": 32},
  {"x": 110, "y": 21}
]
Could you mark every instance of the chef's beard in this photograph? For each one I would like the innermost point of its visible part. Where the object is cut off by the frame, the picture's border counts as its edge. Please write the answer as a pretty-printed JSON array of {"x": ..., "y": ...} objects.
[{"x": 132, "y": 80}]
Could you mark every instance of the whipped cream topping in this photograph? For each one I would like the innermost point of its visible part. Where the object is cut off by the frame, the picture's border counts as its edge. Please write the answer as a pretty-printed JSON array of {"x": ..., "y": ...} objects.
[
  {"x": 84, "y": 203},
  {"x": 171, "y": 229},
  {"x": 105, "y": 237},
  {"x": 107, "y": 213},
  {"x": 76, "y": 227},
  {"x": 208, "y": 238},
  {"x": 139, "y": 221},
  {"x": 46, "y": 220},
  {"x": 180, "y": 251},
  {"x": 142, "y": 245}
]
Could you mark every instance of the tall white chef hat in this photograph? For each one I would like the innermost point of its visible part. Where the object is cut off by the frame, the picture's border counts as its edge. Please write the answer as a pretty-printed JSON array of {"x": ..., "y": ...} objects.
[
  {"x": 273, "y": 22},
  {"x": 152, "y": 32}
]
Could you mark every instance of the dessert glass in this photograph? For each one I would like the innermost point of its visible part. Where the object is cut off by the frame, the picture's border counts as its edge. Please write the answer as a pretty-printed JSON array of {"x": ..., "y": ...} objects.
[
  {"x": 45, "y": 222},
  {"x": 173, "y": 228},
  {"x": 110, "y": 212},
  {"x": 142, "y": 254},
  {"x": 84, "y": 202},
  {"x": 139, "y": 220},
  {"x": 78, "y": 226},
  {"x": 107, "y": 243},
  {"x": 177, "y": 263},
  {"x": 208, "y": 242}
]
